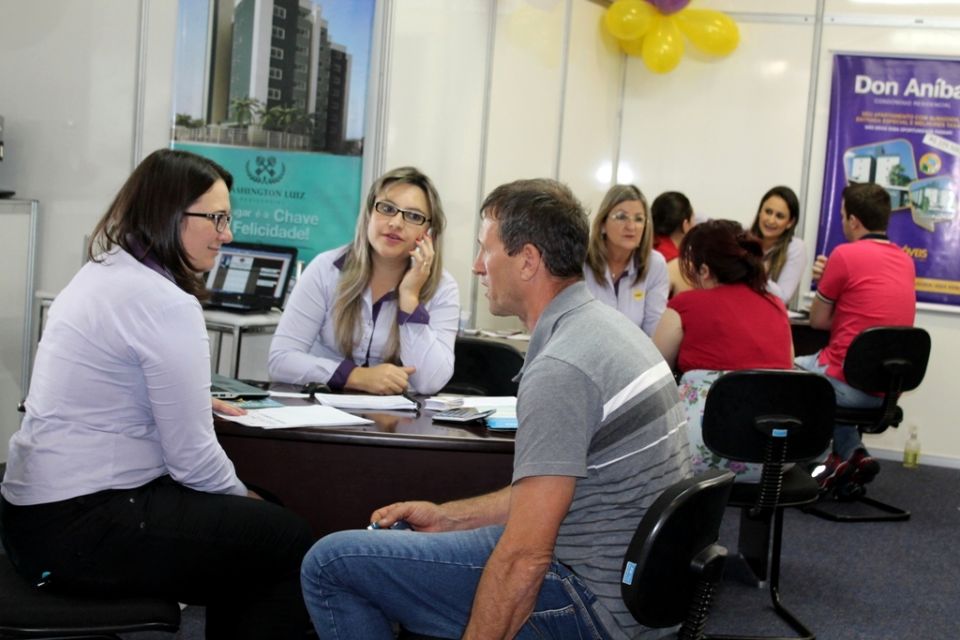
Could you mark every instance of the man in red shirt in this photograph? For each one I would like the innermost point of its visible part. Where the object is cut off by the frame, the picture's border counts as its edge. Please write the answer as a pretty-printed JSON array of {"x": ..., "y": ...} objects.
[{"x": 867, "y": 282}]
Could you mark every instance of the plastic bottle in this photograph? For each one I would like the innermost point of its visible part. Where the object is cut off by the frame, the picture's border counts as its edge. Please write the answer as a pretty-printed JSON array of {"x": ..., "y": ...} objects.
[
  {"x": 464, "y": 327},
  {"x": 911, "y": 450}
]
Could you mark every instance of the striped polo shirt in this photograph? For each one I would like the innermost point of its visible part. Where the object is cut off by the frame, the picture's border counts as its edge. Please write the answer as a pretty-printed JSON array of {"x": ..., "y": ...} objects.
[{"x": 598, "y": 402}]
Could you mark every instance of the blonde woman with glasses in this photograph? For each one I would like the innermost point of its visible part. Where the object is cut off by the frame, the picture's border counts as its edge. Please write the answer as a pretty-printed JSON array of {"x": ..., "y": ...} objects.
[
  {"x": 622, "y": 268},
  {"x": 379, "y": 315}
]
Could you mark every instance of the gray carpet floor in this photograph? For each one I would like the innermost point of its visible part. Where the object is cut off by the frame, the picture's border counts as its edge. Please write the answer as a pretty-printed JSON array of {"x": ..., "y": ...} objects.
[{"x": 846, "y": 581}]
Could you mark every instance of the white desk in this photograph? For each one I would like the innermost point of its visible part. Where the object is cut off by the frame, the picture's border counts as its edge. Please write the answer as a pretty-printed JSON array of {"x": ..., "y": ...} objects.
[{"x": 238, "y": 325}]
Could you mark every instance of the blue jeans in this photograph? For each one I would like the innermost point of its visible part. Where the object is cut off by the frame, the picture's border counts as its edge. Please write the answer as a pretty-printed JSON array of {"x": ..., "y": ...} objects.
[
  {"x": 357, "y": 584},
  {"x": 846, "y": 438}
]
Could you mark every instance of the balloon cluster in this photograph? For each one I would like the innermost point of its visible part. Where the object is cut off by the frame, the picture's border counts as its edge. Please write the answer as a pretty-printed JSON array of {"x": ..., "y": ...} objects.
[{"x": 652, "y": 30}]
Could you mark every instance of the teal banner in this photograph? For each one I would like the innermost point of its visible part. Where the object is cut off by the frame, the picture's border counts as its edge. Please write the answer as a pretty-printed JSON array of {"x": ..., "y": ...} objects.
[{"x": 298, "y": 199}]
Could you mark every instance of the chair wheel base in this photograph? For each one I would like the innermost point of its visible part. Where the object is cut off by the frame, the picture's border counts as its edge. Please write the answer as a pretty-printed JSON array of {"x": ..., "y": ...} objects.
[{"x": 882, "y": 512}]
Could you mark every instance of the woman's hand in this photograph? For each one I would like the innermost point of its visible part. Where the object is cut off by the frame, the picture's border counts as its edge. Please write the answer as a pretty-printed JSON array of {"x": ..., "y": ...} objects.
[
  {"x": 382, "y": 379},
  {"x": 421, "y": 261},
  {"x": 227, "y": 409}
]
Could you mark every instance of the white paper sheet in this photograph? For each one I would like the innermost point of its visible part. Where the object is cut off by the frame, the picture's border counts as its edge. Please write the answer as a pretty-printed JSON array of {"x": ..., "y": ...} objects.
[
  {"x": 314, "y": 415},
  {"x": 358, "y": 402}
]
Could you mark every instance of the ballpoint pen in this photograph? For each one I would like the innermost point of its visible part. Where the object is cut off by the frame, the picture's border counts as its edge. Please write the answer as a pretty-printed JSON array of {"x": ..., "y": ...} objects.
[{"x": 417, "y": 403}]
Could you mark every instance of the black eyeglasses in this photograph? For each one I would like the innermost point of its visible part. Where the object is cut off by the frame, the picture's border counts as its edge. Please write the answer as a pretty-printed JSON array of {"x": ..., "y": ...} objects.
[
  {"x": 220, "y": 220},
  {"x": 389, "y": 210}
]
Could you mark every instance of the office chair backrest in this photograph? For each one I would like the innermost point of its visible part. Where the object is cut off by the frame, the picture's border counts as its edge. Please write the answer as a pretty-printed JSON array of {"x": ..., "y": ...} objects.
[
  {"x": 746, "y": 410},
  {"x": 674, "y": 550},
  {"x": 484, "y": 367},
  {"x": 883, "y": 355}
]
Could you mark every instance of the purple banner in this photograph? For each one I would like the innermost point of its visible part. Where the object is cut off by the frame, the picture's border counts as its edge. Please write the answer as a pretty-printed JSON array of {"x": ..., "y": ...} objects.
[{"x": 896, "y": 122}]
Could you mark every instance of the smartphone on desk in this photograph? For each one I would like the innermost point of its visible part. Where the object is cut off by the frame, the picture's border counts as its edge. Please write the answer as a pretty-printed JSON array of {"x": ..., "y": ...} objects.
[{"x": 462, "y": 414}]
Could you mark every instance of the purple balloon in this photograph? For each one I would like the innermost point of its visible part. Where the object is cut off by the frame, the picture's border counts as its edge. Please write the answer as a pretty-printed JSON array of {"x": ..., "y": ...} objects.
[{"x": 666, "y": 7}]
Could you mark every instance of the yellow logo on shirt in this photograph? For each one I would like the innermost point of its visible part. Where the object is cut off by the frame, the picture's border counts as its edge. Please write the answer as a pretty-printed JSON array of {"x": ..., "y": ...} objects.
[{"x": 638, "y": 295}]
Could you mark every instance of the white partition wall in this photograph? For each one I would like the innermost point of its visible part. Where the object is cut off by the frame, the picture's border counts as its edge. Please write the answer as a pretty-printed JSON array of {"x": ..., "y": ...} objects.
[
  {"x": 480, "y": 92},
  {"x": 554, "y": 102},
  {"x": 437, "y": 65},
  {"x": 18, "y": 219},
  {"x": 526, "y": 94},
  {"x": 723, "y": 131},
  {"x": 590, "y": 134},
  {"x": 86, "y": 92}
]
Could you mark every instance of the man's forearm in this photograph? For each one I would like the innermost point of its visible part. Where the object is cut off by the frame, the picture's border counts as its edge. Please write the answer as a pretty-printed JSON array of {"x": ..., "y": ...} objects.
[
  {"x": 514, "y": 572},
  {"x": 821, "y": 313},
  {"x": 507, "y": 592},
  {"x": 480, "y": 511}
]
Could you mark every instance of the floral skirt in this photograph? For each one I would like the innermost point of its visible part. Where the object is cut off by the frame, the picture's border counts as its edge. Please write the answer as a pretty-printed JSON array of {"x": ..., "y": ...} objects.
[{"x": 694, "y": 386}]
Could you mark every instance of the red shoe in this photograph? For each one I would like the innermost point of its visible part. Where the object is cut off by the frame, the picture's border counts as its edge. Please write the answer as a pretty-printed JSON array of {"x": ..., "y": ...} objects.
[
  {"x": 865, "y": 468},
  {"x": 835, "y": 472}
]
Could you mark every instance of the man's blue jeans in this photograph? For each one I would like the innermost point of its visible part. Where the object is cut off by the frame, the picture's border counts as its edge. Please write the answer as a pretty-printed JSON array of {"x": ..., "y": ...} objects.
[
  {"x": 846, "y": 438},
  {"x": 357, "y": 584}
]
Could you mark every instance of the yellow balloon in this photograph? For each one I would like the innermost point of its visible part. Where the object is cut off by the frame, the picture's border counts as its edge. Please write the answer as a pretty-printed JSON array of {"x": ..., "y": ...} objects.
[
  {"x": 710, "y": 31},
  {"x": 632, "y": 47},
  {"x": 629, "y": 19},
  {"x": 663, "y": 45}
]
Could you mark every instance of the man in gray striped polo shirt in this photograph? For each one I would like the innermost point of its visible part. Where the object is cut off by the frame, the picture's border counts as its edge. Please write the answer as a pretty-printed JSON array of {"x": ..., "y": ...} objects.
[{"x": 600, "y": 437}]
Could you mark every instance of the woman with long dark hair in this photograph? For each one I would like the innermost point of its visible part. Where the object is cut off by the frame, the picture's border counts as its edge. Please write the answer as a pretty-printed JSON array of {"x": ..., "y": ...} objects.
[
  {"x": 379, "y": 315},
  {"x": 115, "y": 482},
  {"x": 784, "y": 256},
  {"x": 673, "y": 217},
  {"x": 728, "y": 321}
]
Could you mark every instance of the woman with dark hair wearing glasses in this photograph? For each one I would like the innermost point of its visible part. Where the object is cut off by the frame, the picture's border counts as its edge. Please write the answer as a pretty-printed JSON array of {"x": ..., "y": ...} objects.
[
  {"x": 115, "y": 482},
  {"x": 622, "y": 269},
  {"x": 728, "y": 321},
  {"x": 379, "y": 315},
  {"x": 784, "y": 255}
]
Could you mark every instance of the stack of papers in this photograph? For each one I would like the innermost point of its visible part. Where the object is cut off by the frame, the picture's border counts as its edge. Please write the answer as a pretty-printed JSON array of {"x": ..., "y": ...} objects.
[
  {"x": 312, "y": 415},
  {"x": 442, "y": 403},
  {"x": 358, "y": 402}
]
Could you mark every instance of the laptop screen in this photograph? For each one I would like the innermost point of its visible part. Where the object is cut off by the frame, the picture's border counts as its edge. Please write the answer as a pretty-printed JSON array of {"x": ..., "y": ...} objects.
[{"x": 254, "y": 274}]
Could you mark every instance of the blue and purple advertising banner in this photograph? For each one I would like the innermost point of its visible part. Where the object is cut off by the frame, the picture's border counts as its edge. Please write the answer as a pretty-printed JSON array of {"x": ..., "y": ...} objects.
[{"x": 896, "y": 122}]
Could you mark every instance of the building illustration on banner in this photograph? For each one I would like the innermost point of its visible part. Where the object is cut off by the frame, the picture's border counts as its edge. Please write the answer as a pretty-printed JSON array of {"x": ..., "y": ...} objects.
[
  {"x": 889, "y": 164},
  {"x": 933, "y": 200},
  {"x": 274, "y": 78},
  {"x": 275, "y": 91}
]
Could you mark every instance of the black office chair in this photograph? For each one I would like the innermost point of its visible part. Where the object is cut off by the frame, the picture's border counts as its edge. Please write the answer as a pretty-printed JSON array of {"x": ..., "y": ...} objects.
[
  {"x": 775, "y": 417},
  {"x": 888, "y": 360},
  {"x": 30, "y": 612},
  {"x": 674, "y": 564},
  {"x": 484, "y": 367}
]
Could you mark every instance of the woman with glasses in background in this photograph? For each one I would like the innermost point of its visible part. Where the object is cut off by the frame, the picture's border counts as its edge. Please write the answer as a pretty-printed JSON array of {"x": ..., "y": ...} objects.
[
  {"x": 622, "y": 269},
  {"x": 115, "y": 482},
  {"x": 379, "y": 315}
]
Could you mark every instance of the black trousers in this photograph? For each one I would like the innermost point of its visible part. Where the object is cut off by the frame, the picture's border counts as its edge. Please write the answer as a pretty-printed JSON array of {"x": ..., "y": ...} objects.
[{"x": 238, "y": 556}]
